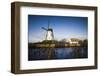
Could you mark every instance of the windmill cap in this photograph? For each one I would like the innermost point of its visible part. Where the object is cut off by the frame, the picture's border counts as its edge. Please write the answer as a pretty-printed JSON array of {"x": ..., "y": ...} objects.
[{"x": 50, "y": 29}]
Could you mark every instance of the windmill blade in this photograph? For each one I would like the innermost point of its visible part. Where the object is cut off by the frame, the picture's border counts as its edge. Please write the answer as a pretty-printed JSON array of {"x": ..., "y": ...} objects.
[
  {"x": 48, "y": 24},
  {"x": 44, "y": 28}
]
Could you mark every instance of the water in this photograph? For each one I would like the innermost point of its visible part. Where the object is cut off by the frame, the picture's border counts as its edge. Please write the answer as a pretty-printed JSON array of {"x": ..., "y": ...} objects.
[{"x": 57, "y": 53}]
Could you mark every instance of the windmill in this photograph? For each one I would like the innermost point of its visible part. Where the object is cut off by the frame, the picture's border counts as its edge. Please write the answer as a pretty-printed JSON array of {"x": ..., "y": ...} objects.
[{"x": 49, "y": 33}]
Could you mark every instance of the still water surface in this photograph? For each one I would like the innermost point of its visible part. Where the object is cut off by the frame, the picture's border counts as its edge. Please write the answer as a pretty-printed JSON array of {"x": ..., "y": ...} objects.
[{"x": 57, "y": 53}]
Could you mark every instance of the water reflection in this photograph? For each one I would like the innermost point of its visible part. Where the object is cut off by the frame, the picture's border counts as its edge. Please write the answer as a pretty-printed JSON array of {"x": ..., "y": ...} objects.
[{"x": 57, "y": 53}]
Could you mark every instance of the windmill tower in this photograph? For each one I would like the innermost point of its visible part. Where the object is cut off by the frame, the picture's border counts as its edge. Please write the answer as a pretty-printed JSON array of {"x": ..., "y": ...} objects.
[{"x": 49, "y": 33}]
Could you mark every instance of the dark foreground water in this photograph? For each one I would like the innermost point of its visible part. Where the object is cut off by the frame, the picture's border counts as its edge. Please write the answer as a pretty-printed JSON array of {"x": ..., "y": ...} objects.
[{"x": 57, "y": 53}]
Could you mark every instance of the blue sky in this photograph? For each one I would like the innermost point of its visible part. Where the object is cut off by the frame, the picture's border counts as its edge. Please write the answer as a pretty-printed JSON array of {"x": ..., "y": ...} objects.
[{"x": 63, "y": 27}]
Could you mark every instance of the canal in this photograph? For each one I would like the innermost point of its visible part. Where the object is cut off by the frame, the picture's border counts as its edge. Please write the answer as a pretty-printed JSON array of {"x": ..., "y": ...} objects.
[{"x": 57, "y": 53}]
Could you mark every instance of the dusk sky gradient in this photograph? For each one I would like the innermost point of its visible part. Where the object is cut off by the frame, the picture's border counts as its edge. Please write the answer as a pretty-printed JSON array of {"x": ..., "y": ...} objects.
[{"x": 63, "y": 27}]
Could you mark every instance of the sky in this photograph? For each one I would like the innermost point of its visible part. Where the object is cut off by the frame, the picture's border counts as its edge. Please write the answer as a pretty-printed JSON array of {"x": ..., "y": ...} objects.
[{"x": 64, "y": 27}]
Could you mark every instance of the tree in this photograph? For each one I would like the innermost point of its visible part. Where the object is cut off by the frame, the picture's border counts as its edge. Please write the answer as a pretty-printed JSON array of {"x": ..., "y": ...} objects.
[{"x": 85, "y": 42}]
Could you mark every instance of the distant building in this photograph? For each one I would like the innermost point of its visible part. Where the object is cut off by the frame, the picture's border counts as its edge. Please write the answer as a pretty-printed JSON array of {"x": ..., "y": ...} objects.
[{"x": 74, "y": 41}]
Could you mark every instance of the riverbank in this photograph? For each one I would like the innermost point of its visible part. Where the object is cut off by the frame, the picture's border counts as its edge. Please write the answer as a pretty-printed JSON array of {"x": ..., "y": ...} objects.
[{"x": 52, "y": 45}]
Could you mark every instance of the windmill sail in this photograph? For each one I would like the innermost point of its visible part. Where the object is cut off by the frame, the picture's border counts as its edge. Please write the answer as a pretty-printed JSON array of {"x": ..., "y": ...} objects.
[{"x": 44, "y": 28}]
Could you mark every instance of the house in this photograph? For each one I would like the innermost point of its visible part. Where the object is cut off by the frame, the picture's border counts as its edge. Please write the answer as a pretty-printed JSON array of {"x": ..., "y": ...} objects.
[{"x": 74, "y": 41}]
